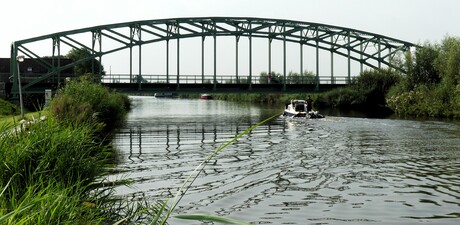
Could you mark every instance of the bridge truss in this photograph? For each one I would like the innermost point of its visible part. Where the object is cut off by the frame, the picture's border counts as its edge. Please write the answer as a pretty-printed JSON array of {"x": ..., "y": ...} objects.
[{"x": 368, "y": 49}]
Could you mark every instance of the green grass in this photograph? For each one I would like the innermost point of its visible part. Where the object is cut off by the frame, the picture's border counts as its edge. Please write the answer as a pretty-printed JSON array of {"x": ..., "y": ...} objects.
[
  {"x": 50, "y": 173},
  {"x": 14, "y": 120},
  {"x": 46, "y": 174}
]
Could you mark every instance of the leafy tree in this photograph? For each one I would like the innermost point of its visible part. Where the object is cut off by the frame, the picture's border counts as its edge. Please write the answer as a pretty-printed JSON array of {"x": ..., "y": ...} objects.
[
  {"x": 448, "y": 61},
  {"x": 294, "y": 78},
  {"x": 86, "y": 67},
  {"x": 263, "y": 78},
  {"x": 309, "y": 77},
  {"x": 274, "y": 77},
  {"x": 423, "y": 71},
  {"x": 432, "y": 85}
]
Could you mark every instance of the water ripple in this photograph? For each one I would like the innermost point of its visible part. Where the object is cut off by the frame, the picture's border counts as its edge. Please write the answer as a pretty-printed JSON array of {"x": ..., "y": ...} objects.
[{"x": 331, "y": 171}]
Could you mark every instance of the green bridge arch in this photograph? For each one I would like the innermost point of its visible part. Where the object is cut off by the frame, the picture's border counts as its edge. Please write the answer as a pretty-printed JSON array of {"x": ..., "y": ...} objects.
[{"x": 369, "y": 49}]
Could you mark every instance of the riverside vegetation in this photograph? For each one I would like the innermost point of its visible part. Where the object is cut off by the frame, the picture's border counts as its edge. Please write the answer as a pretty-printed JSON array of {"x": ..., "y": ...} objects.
[
  {"x": 430, "y": 87},
  {"x": 50, "y": 172}
]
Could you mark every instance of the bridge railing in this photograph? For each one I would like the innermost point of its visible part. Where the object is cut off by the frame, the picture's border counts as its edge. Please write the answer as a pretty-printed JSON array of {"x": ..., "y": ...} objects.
[{"x": 220, "y": 79}]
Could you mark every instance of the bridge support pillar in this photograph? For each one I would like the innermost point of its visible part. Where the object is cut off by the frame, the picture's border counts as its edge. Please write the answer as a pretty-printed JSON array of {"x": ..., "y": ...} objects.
[
  {"x": 332, "y": 61},
  {"x": 301, "y": 62},
  {"x": 250, "y": 60},
  {"x": 284, "y": 59},
  {"x": 349, "y": 57},
  {"x": 237, "y": 39},
  {"x": 380, "y": 54},
  {"x": 270, "y": 58},
  {"x": 167, "y": 61},
  {"x": 215, "y": 64},
  {"x": 178, "y": 63},
  {"x": 317, "y": 64},
  {"x": 361, "y": 58},
  {"x": 139, "y": 77},
  {"x": 202, "y": 58}
]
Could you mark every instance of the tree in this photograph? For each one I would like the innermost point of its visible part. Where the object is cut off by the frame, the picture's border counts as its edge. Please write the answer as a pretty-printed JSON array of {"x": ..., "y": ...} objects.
[
  {"x": 424, "y": 70},
  {"x": 448, "y": 62},
  {"x": 88, "y": 66},
  {"x": 275, "y": 78}
]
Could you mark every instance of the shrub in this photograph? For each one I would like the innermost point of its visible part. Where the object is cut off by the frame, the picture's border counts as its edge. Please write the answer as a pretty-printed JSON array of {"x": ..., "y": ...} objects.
[
  {"x": 366, "y": 91},
  {"x": 430, "y": 87},
  {"x": 83, "y": 101},
  {"x": 7, "y": 108}
]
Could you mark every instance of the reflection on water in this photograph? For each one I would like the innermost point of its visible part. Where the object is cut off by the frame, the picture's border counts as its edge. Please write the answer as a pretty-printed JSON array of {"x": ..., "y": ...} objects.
[{"x": 292, "y": 171}]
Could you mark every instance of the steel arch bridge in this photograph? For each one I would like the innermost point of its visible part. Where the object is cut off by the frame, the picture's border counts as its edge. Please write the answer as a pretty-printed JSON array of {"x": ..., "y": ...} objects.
[{"x": 368, "y": 49}]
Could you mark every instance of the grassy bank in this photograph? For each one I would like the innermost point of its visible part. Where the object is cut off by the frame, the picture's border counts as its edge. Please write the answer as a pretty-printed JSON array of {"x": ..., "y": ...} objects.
[
  {"x": 260, "y": 98},
  {"x": 50, "y": 172}
]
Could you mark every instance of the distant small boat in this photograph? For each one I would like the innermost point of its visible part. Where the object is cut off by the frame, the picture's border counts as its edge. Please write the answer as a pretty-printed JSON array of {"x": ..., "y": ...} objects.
[
  {"x": 298, "y": 108},
  {"x": 206, "y": 96},
  {"x": 165, "y": 95}
]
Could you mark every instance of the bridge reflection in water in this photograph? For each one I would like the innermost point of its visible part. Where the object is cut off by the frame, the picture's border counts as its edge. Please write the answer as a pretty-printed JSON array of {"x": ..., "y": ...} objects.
[{"x": 172, "y": 139}]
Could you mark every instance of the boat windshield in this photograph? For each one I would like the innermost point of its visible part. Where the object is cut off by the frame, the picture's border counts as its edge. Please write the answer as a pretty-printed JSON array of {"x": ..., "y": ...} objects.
[{"x": 299, "y": 107}]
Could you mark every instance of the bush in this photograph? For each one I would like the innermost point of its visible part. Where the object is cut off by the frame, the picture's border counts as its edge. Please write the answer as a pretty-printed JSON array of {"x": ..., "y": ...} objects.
[
  {"x": 366, "y": 91},
  {"x": 7, "y": 109},
  {"x": 83, "y": 101},
  {"x": 430, "y": 88},
  {"x": 426, "y": 101}
]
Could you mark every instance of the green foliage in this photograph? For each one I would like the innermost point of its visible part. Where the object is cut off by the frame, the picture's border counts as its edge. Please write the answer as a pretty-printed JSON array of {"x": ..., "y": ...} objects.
[
  {"x": 306, "y": 78},
  {"x": 431, "y": 86},
  {"x": 275, "y": 78},
  {"x": 341, "y": 98},
  {"x": 448, "y": 61},
  {"x": 291, "y": 78},
  {"x": 83, "y": 101},
  {"x": 86, "y": 66},
  {"x": 8, "y": 109},
  {"x": 261, "y": 98},
  {"x": 422, "y": 70},
  {"x": 366, "y": 90},
  {"x": 45, "y": 173},
  {"x": 263, "y": 77},
  {"x": 63, "y": 153}
]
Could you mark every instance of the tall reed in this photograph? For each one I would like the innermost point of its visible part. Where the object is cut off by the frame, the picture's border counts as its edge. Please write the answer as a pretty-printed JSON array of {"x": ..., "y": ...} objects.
[{"x": 48, "y": 171}]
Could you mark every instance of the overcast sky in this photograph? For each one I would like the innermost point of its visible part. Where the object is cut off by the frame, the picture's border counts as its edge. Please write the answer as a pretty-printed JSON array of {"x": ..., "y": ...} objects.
[{"x": 415, "y": 21}]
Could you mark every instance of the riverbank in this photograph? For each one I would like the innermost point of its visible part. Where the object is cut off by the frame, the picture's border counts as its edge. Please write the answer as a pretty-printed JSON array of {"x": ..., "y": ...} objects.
[{"x": 51, "y": 172}]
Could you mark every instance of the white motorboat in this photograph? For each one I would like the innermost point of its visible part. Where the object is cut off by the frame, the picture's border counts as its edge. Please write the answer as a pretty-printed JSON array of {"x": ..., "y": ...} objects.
[{"x": 299, "y": 108}]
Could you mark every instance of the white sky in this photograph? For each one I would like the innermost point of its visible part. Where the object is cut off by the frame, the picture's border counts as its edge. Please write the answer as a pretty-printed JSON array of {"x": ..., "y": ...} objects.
[{"x": 415, "y": 21}]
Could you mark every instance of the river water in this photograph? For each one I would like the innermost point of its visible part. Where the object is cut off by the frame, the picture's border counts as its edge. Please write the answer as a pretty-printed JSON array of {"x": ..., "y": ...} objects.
[{"x": 337, "y": 170}]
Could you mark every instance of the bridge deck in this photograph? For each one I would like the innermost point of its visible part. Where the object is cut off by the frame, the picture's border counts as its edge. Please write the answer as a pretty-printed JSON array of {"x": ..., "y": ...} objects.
[{"x": 221, "y": 88}]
